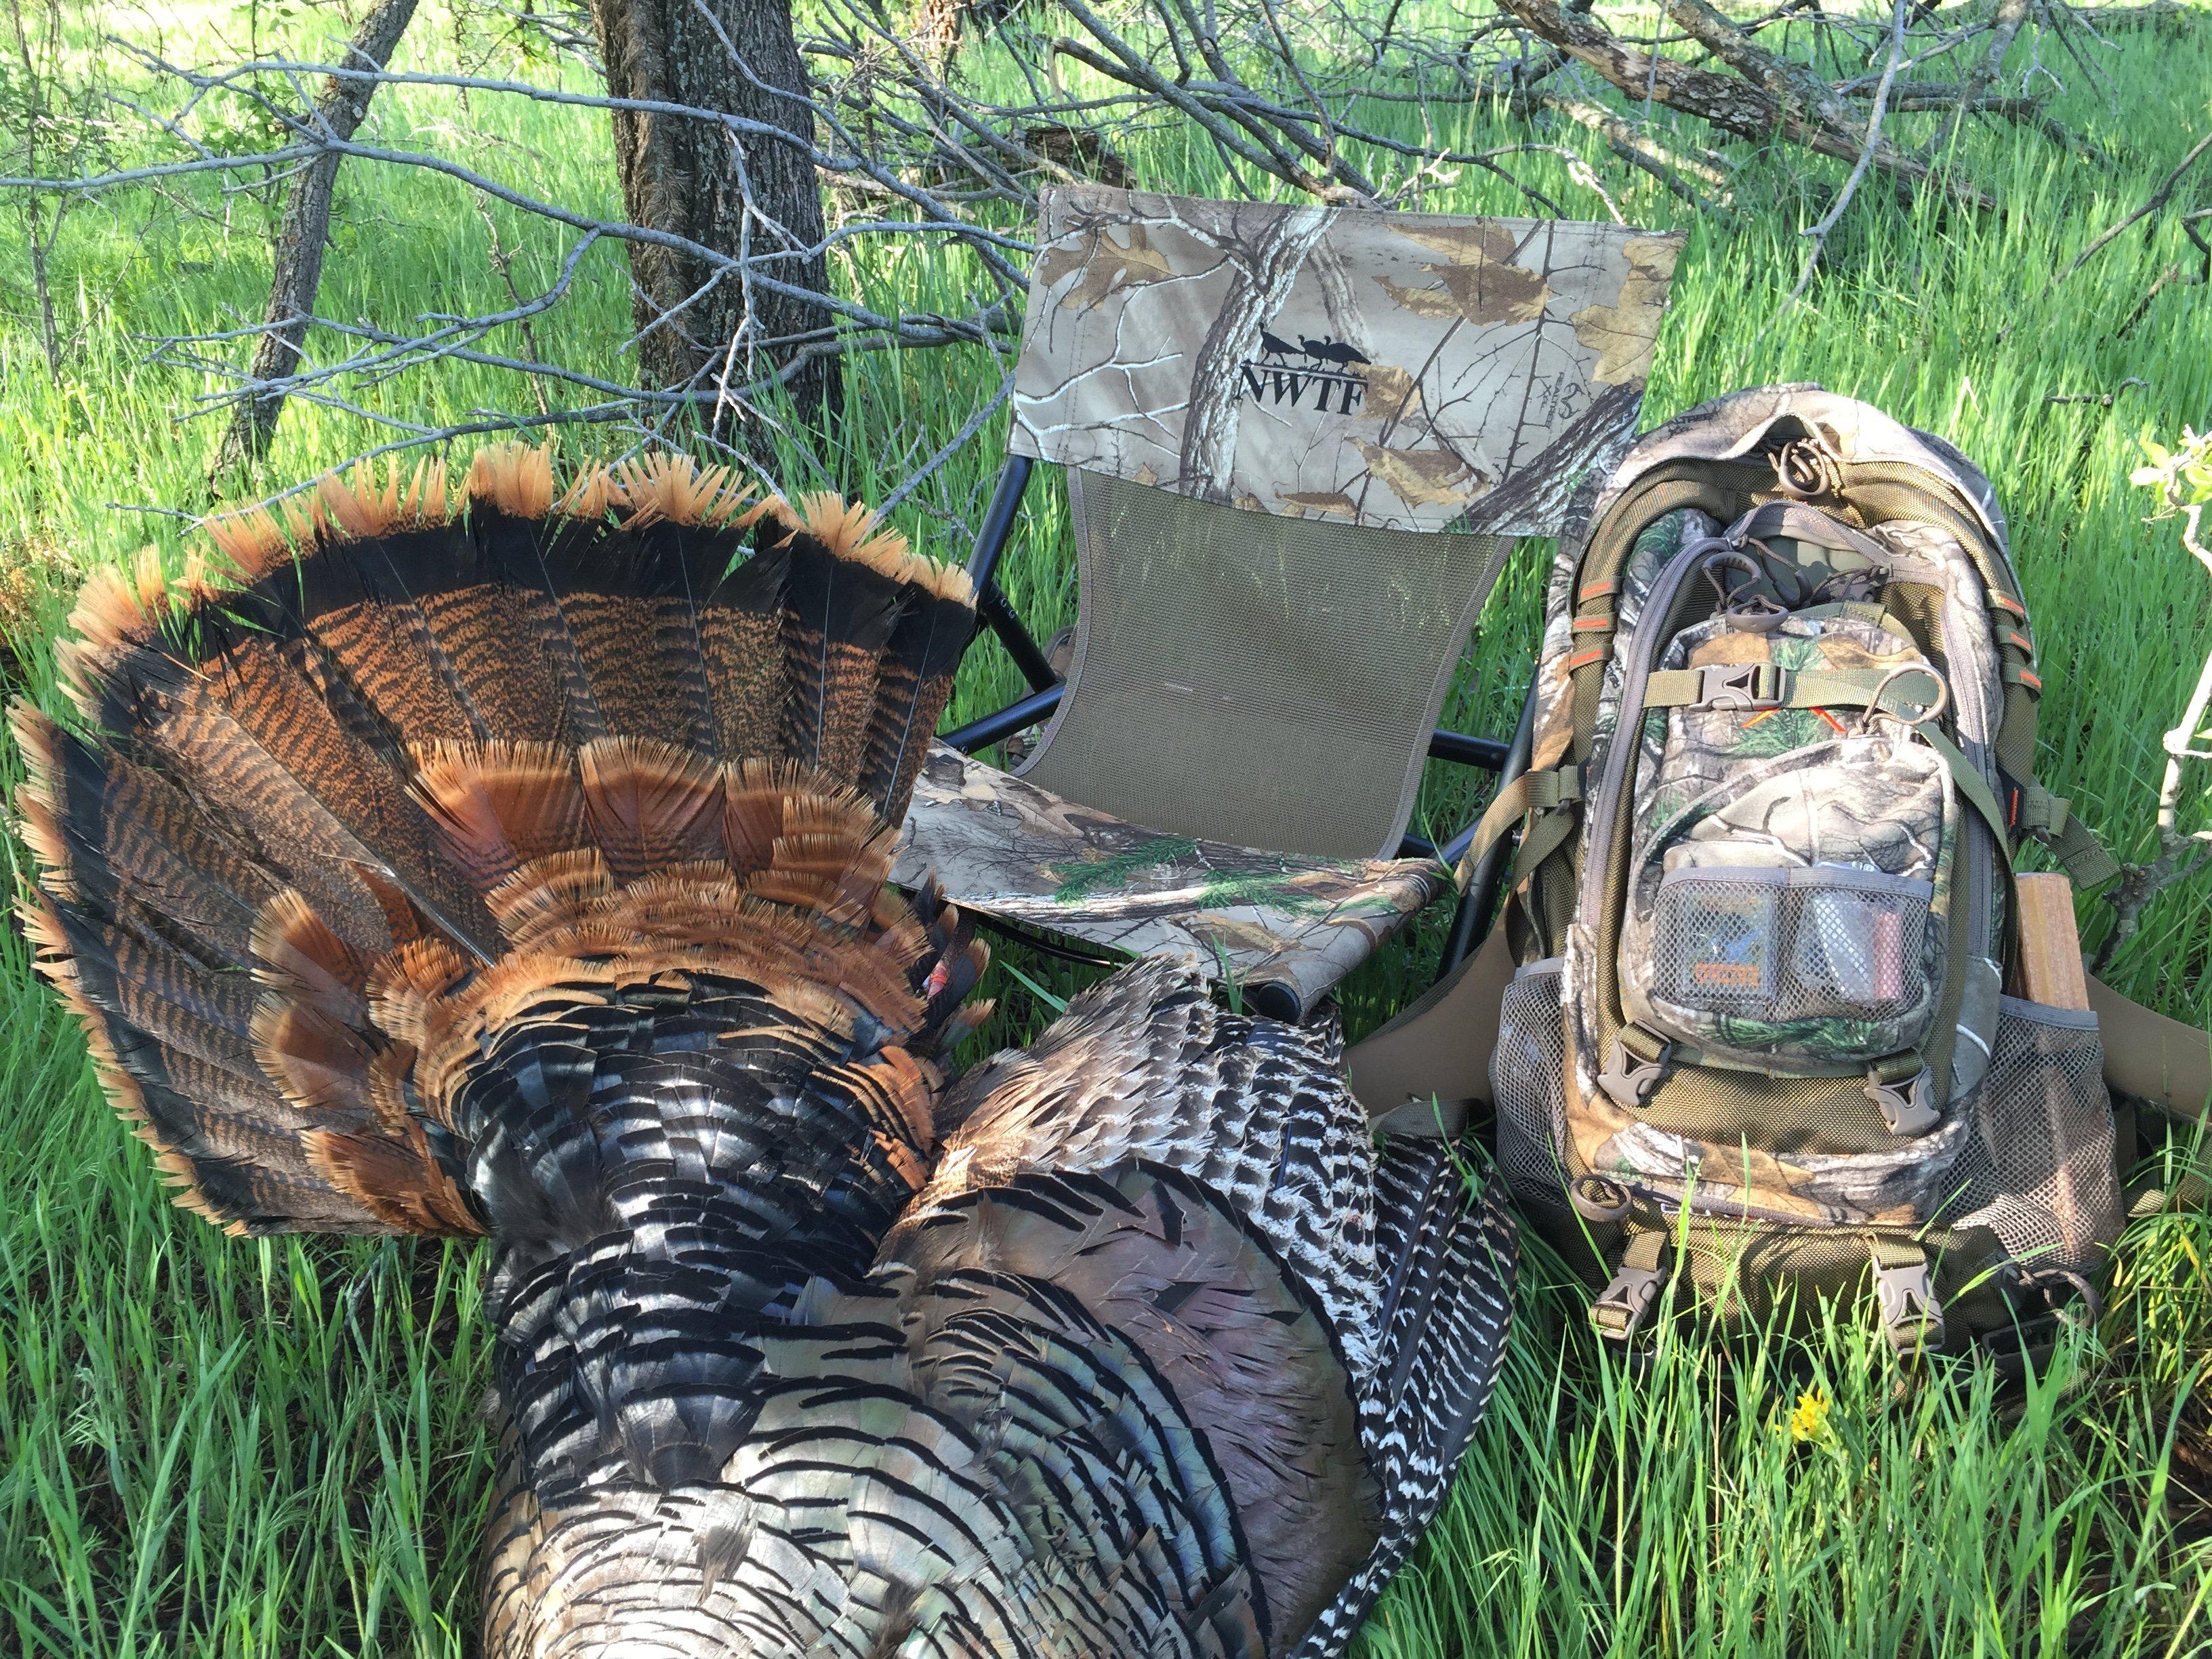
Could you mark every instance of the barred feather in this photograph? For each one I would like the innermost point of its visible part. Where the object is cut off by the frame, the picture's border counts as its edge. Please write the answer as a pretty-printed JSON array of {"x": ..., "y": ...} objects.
[
  {"x": 396, "y": 711},
  {"x": 1164, "y": 1359},
  {"x": 518, "y": 866}
]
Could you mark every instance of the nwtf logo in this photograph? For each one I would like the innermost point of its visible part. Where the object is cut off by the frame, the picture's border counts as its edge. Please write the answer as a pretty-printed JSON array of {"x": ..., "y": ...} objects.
[{"x": 1327, "y": 372}]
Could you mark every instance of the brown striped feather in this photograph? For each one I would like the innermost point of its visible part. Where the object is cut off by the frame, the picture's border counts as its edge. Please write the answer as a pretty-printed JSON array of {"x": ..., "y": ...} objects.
[{"x": 436, "y": 772}]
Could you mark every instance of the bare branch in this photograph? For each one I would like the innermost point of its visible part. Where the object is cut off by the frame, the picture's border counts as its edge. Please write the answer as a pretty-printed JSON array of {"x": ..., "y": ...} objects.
[
  {"x": 304, "y": 233},
  {"x": 1819, "y": 231}
]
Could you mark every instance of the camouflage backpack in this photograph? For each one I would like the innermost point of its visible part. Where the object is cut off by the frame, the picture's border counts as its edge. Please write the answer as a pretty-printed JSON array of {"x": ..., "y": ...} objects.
[{"x": 1762, "y": 902}]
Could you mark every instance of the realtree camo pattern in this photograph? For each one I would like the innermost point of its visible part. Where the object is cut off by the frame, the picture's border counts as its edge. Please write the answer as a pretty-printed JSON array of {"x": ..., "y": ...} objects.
[
  {"x": 1403, "y": 371},
  {"x": 1878, "y": 1187},
  {"x": 2043, "y": 1106},
  {"x": 1822, "y": 969},
  {"x": 1007, "y": 848}
]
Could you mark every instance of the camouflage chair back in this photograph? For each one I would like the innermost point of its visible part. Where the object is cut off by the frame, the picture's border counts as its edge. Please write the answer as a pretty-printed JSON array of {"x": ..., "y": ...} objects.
[{"x": 1298, "y": 442}]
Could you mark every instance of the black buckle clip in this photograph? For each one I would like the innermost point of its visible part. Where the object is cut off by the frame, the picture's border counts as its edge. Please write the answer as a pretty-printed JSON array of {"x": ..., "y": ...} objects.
[{"x": 1740, "y": 685}]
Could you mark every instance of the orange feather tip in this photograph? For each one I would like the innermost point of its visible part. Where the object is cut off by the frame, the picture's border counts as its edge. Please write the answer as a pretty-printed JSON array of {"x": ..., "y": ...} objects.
[
  {"x": 124, "y": 1097},
  {"x": 36, "y": 798},
  {"x": 117, "y": 610},
  {"x": 252, "y": 539},
  {"x": 672, "y": 486},
  {"x": 388, "y": 1083},
  {"x": 498, "y": 805},
  {"x": 547, "y": 892},
  {"x": 854, "y": 531},
  {"x": 50, "y": 946},
  {"x": 650, "y": 804},
  {"x": 406, "y": 984},
  {"x": 591, "y": 495},
  {"x": 394, "y": 1177},
  {"x": 515, "y": 479},
  {"x": 320, "y": 1064},
  {"x": 361, "y": 504},
  {"x": 302, "y": 956}
]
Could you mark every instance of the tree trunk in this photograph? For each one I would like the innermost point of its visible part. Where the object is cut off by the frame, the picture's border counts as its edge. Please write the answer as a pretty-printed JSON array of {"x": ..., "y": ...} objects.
[
  {"x": 305, "y": 232},
  {"x": 690, "y": 178},
  {"x": 1267, "y": 266}
]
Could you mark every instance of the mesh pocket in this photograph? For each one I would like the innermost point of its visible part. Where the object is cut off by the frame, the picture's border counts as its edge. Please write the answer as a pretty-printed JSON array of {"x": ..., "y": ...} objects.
[
  {"x": 1716, "y": 931},
  {"x": 2040, "y": 1170},
  {"x": 1527, "y": 1082},
  {"x": 1822, "y": 962},
  {"x": 1854, "y": 949}
]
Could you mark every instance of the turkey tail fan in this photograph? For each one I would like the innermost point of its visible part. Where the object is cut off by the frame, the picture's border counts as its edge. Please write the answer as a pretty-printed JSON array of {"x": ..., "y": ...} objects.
[{"x": 308, "y": 809}]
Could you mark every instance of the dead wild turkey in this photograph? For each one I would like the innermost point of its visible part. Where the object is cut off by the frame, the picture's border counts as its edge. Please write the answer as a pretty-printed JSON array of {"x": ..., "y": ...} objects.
[{"x": 519, "y": 871}]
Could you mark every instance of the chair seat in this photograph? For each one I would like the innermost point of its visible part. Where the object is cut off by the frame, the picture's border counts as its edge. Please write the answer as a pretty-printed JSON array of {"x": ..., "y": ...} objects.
[{"x": 1286, "y": 927}]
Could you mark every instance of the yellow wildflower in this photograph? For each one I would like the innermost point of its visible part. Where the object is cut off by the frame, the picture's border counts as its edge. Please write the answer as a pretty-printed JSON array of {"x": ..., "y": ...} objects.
[{"x": 1808, "y": 1422}]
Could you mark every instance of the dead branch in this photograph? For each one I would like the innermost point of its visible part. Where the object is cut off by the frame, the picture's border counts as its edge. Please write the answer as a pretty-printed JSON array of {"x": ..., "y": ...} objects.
[
  {"x": 1768, "y": 97},
  {"x": 304, "y": 233},
  {"x": 2184, "y": 483},
  {"x": 2157, "y": 199},
  {"x": 1819, "y": 231},
  {"x": 1335, "y": 100}
]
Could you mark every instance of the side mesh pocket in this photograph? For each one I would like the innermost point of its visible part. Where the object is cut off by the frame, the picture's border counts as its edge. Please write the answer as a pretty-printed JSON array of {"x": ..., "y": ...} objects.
[
  {"x": 1527, "y": 1082},
  {"x": 2039, "y": 1169}
]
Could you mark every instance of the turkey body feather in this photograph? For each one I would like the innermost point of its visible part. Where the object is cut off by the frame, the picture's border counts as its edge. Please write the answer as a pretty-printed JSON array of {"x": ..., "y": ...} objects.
[{"x": 516, "y": 865}]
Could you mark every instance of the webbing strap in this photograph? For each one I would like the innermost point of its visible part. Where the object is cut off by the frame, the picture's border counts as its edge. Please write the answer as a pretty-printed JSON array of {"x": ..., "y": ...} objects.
[
  {"x": 2049, "y": 820},
  {"x": 1764, "y": 685},
  {"x": 1545, "y": 837},
  {"x": 2164, "y": 1062},
  {"x": 1975, "y": 787},
  {"x": 1802, "y": 523},
  {"x": 1532, "y": 791}
]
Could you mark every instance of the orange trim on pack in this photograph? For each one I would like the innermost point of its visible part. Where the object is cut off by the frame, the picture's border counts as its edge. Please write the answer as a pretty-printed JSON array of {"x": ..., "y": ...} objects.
[
  {"x": 1597, "y": 590},
  {"x": 1584, "y": 658},
  {"x": 1592, "y": 625}
]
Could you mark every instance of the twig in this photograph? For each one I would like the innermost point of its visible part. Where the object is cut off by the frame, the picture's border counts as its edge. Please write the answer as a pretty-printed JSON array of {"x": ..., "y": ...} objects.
[
  {"x": 2180, "y": 855},
  {"x": 2102, "y": 399},
  {"x": 305, "y": 232},
  {"x": 2157, "y": 199},
  {"x": 1819, "y": 231}
]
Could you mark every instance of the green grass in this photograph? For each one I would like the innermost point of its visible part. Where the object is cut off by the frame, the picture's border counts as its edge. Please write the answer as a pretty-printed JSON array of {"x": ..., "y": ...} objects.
[{"x": 223, "y": 1447}]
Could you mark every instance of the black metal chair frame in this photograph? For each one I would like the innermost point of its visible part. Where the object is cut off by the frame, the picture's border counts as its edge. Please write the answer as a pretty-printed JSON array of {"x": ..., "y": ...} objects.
[{"x": 1508, "y": 760}]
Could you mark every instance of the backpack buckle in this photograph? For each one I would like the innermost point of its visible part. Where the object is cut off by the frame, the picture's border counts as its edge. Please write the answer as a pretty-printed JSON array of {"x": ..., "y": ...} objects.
[
  {"x": 1910, "y": 1317},
  {"x": 1629, "y": 1084},
  {"x": 1623, "y": 1305},
  {"x": 1904, "y": 1104},
  {"x": 1740, "y": 685}
]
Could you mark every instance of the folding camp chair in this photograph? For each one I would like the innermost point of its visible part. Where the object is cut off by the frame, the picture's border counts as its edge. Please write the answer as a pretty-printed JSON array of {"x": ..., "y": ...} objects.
[{"x": 1298, "y": 442}]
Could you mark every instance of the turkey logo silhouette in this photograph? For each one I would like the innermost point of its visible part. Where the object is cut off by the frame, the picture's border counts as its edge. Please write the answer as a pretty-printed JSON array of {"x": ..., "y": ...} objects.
[{"x": 1331, "y": 369}]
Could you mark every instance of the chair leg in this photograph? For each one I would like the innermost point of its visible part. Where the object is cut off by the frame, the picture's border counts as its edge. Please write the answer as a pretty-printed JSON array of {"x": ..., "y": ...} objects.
[{"x": 1472, "y": 920}]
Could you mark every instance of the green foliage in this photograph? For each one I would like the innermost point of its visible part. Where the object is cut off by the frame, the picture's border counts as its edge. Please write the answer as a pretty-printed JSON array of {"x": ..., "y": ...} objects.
[
  {"x": 2182, "y": 477},
  {"x": 215, "y": 1447}
]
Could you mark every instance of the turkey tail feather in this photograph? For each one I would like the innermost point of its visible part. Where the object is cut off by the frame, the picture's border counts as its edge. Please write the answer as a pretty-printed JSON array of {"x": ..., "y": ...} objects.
[
  {"x": 403, "y": 719},
  {"x": 1448, "y": 1255}
]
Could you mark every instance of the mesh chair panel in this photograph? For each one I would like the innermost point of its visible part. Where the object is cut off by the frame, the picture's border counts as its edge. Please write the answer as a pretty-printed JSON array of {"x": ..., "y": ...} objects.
[{"x": 1255, "y": 678}]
